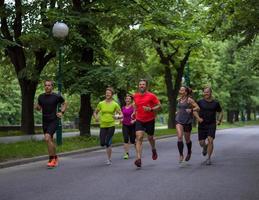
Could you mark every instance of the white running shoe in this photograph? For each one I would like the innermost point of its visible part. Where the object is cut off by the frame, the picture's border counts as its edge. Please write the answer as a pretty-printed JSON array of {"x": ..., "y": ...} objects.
[
  {"x": 108, "y": 162},
  {"x": 208, "y": 162}
]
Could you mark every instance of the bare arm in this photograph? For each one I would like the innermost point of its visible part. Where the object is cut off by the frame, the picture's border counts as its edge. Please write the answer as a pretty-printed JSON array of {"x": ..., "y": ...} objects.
[
  {"x": 219, "y": 118},
  {"x": 37, "y": 107},
  {"x": 62, "y": 110},
  {"x": 155, "y": 108},
  {"x": 95, "y": 114}
]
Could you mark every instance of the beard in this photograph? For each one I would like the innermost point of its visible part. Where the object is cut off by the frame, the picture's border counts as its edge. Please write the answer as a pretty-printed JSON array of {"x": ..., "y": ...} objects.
[{"x": 142, "y": 90}]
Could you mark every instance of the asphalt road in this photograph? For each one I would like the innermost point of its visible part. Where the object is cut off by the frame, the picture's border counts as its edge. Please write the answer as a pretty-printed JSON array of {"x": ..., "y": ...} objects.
[{"x": 234, "y": 174}]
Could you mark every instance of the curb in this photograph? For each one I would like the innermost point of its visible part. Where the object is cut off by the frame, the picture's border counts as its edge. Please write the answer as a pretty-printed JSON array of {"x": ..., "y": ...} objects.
[{"x": 23, "y": 161}]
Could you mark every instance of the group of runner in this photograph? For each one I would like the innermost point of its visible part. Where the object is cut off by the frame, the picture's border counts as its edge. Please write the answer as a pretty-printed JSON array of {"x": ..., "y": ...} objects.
[{"x": 137, "y": 118}]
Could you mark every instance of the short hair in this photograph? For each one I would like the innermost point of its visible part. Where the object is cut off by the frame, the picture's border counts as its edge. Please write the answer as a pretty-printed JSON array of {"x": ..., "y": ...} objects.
[
  {"x": 51, "y": 81},
  {"x": 110, "y": 89},
  {"x": 207, "y": 87},
  {"x": 145, "y": 80}
]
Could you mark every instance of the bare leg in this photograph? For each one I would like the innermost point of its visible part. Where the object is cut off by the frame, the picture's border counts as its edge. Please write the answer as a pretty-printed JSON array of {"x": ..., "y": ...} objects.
[
  {"x": 152, "y": 141},
  {"x": 210, "y": 146},
  {"x": 139, "y": 140},
  {"x": 126, "y": 147},
  {"x": 109, "y": 152},
  {"x": 51, "y": 144}
]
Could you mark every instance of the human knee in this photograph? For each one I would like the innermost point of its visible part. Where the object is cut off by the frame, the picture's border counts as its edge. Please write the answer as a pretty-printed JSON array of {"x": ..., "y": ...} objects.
[
  {"x": 210, "y": 140},
  {"x": 202, "y": 143},
  {"x": 150, "y": 138},
  {"x": 47, "y": 138}
]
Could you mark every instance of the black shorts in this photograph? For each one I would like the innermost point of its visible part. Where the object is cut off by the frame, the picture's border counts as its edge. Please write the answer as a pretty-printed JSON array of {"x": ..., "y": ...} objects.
[
  {"x": 206, "y": 130},
  {"x": 50, "y": 126},
  {"x": 129, "y": 133},
  {"x": 186, "y": 127},
  {"x": 148, "y": 127},
  {"x": 106, "y": 136}
]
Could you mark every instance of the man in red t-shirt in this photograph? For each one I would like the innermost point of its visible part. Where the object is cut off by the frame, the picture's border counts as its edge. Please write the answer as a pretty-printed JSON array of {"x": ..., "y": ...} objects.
[{"x": 145, "y": 105}]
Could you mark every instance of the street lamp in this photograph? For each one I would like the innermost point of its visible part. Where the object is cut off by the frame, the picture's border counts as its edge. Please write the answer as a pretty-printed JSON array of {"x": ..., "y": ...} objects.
[{"x": 60, "y": 31}]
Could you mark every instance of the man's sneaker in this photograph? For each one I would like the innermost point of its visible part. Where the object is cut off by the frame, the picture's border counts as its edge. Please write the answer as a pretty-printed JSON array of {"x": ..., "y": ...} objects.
[
  {"x": 208, "y": 162},
  {"x": 108, "y": 162},
  {"x": 154, "y": 154},
  {"x": 188, "y": 157},
  {"x": 126, "y": 156},
  {"x": 51, "y": 163},
  {"x": 138, "y": 162},
  {"x": 204, "y": 151}
]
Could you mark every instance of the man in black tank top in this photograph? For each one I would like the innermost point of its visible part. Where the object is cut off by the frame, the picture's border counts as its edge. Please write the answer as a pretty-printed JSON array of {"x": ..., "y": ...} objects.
[
  {"x": 208, "y": 121},
  {"x": 47, "y": 103}
]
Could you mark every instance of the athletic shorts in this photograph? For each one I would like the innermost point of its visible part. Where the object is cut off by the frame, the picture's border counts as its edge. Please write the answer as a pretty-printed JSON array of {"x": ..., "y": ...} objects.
[
  {"x": 148, "y": 127},
  {"x": 50, "y": 127},
  {"x": 186, "y": 127},
  {"x": 129, "y": 133},
  {"x": 206, "y": 130},
  {"x": 106, "y": 136}
]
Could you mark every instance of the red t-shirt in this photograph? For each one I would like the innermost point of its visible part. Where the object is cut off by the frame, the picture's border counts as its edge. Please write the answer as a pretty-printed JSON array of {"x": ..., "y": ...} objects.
[{"x": 146, "y": 99}]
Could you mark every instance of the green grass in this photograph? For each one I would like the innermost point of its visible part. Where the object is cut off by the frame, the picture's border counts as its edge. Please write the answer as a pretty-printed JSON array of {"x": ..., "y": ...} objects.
[{"x": 29, "y": 149}]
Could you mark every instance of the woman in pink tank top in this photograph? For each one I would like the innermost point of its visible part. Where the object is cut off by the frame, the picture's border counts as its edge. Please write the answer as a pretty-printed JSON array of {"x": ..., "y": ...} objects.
[{"x": 128, "y": 125}]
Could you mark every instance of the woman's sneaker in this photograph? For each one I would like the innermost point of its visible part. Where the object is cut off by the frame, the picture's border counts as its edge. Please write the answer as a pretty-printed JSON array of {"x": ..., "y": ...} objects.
[{"x": 126, "y": 156}]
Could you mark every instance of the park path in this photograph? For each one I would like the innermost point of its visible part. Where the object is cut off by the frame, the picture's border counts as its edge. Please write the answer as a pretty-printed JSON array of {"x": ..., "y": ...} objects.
[{"x": 233, "y": 174}]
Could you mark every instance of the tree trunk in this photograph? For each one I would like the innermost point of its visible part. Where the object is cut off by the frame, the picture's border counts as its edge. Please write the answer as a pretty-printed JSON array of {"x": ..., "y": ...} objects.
[
  {"x": 171, "y": 96},
  {"x": 28, "y": 89},
  {"x": 248, "y": 113},
  {"x": 85, "y": 115},
  {"x": 230, "y": 116},
  {"x": 236, "y": 114}
]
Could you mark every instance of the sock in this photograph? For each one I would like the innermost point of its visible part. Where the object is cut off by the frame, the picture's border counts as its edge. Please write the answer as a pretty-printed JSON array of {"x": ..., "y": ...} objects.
[
  {"x": 180, "y": 147},
  {"x": 51, "y": 157},
  {"x": 189, "y": 147}
]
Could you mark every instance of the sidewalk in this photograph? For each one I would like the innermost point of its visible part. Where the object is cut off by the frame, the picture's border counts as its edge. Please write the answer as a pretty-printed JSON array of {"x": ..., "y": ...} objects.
[{"x": 12, "y": 139}]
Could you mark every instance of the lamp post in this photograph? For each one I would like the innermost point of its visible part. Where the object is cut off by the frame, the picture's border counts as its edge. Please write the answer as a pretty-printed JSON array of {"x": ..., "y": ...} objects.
[{"x": 60, "y": 31}]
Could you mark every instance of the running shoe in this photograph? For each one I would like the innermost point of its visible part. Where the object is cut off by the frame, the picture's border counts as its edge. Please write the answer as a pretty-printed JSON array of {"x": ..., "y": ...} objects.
[
  {"x": 204, "y": 151},
  {"x": 180, "y": 159},
  {"x": 108, "y": 162},
  {"x": 51, "y": 163},
  {"x": 208, "y": 162},
  {"x": 154, "y": 154},
  {"x": 188, "y": 157},
  {"x": 126, "y": 156},
  {"x": 138, "y": 162}
]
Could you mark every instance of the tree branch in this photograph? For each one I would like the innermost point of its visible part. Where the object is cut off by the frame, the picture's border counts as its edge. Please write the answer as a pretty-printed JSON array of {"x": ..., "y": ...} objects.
[
  {"x": 17, "y": 27},
  {"x": 4, "y": 25}
]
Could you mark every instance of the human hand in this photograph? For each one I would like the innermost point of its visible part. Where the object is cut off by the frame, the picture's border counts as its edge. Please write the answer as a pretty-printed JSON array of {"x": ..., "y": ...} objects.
[
  {"x": 59, "y": 114},
  {"x": 188, "y": 110},
  {"x": 147, "y": 108},
  {"x": 200, "y": 120}
]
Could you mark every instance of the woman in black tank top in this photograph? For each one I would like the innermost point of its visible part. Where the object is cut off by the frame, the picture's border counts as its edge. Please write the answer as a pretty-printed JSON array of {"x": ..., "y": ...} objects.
[{"x": 184, "y": 117}]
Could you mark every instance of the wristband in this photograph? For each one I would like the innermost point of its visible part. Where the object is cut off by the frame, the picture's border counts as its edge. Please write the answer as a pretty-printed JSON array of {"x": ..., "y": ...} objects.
[{"x": 63, "y": 112}]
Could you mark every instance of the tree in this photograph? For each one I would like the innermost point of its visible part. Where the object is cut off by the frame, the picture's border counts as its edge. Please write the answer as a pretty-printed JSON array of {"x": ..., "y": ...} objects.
[{"x": 26, "y": 29}]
